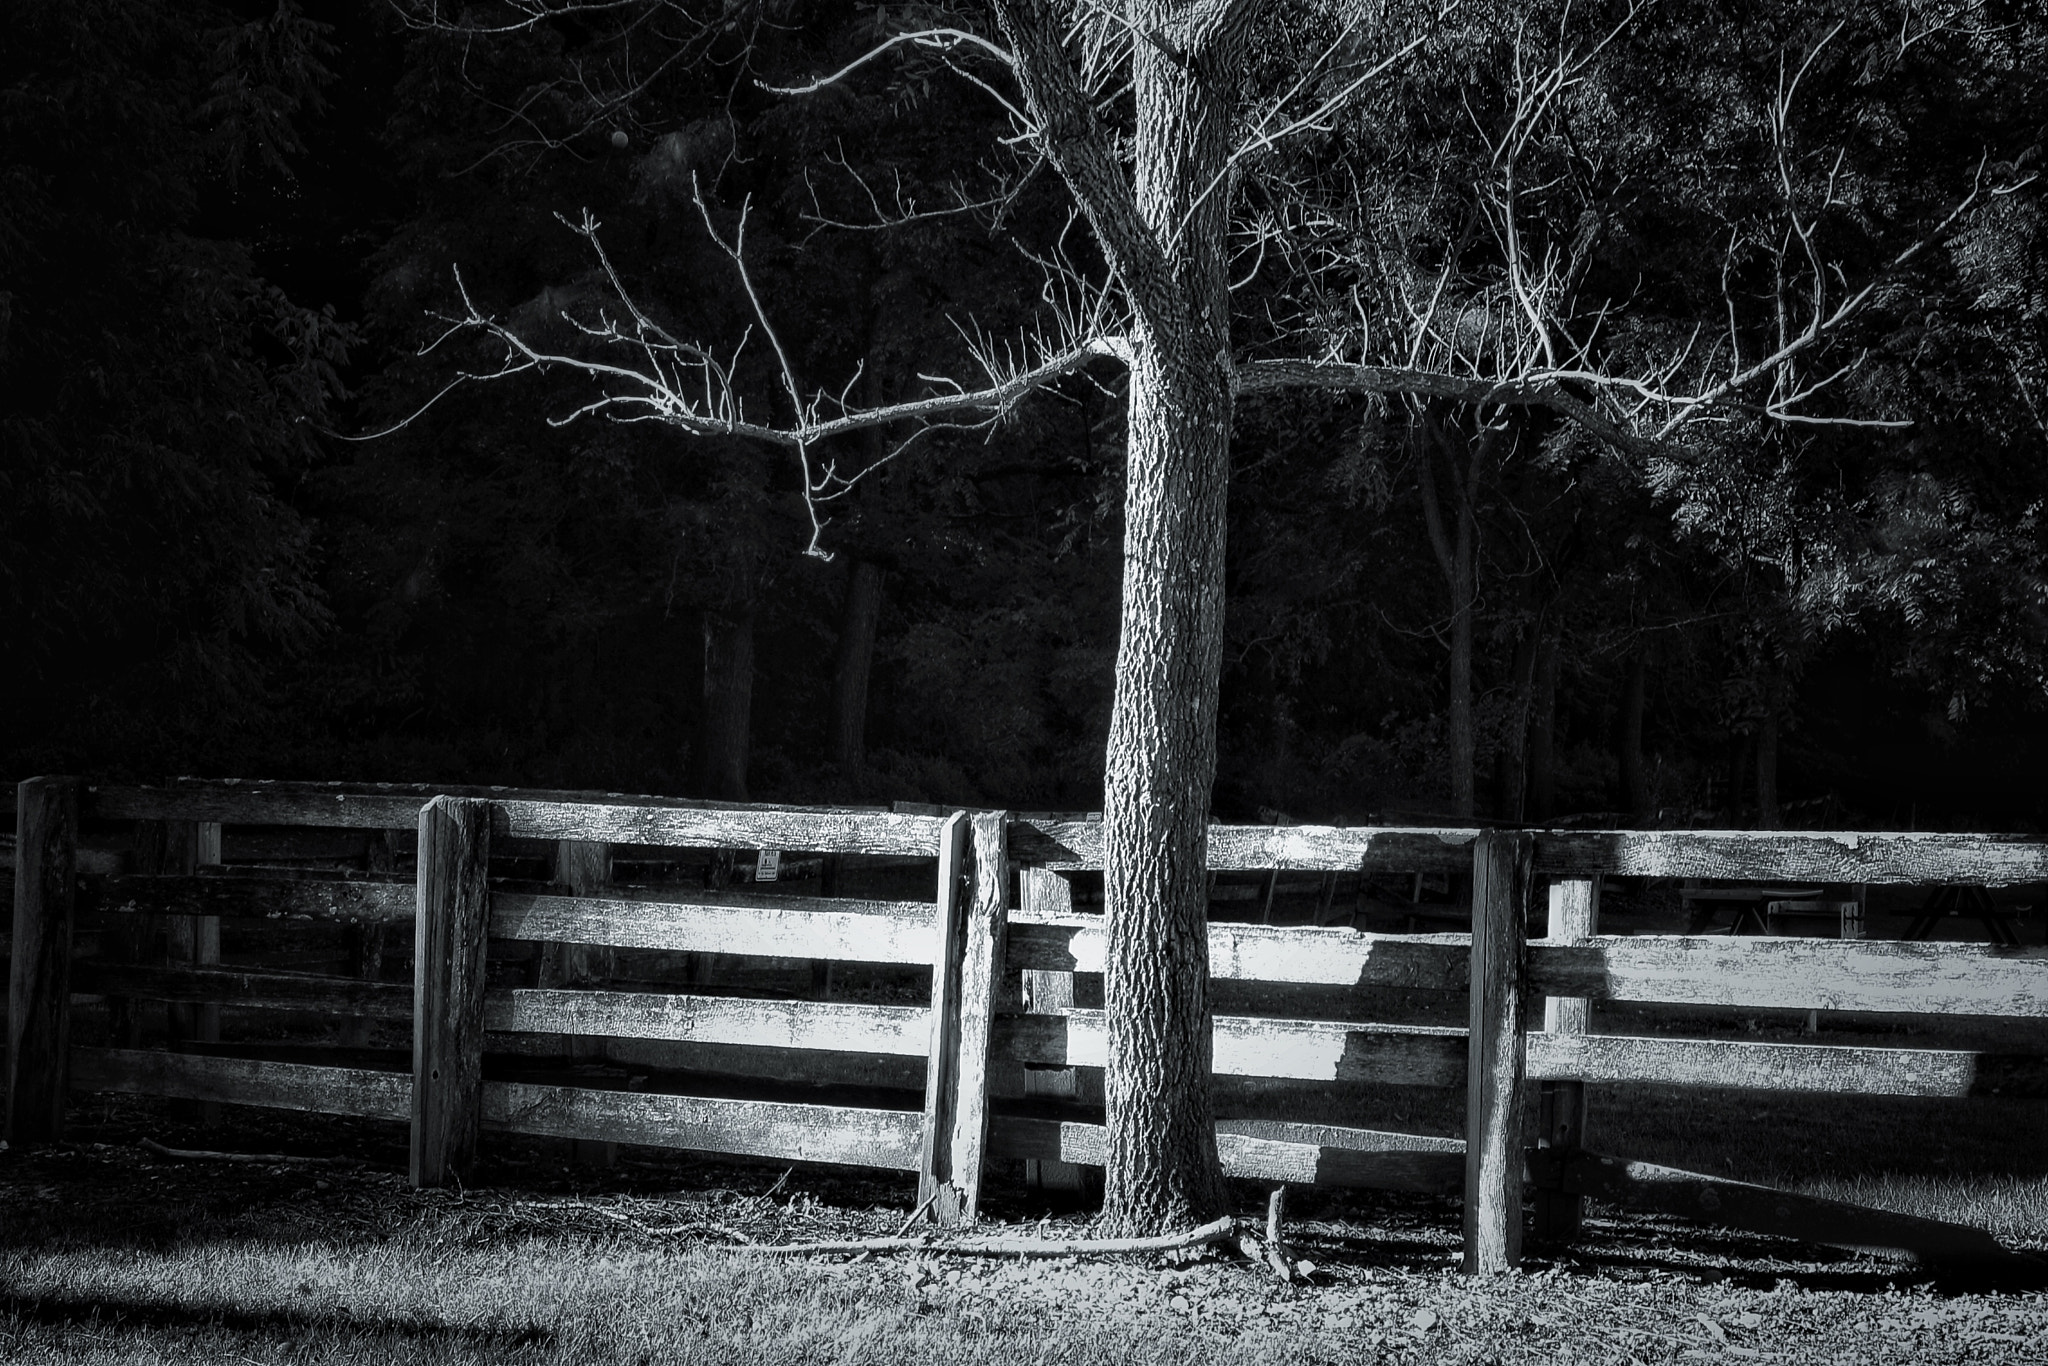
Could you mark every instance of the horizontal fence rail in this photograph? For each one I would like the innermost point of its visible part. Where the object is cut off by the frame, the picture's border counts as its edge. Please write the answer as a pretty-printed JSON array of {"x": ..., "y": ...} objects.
[{"x": 1527, "y": 1043}]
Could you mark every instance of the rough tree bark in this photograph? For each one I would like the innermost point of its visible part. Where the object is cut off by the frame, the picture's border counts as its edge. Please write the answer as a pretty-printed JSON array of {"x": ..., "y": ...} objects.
[
  {"x": 860, "y": 616},
  {"x": 1162, "y": 1168},
  {"x": 1166, "y": 239}
]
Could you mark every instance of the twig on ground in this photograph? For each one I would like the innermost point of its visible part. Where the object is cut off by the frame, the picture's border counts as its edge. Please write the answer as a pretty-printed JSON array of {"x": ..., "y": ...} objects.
[
  {"x": 1011, "y": 1247},
  {"x": 660, "y": 1230},
  {"x": 252, "y": 1159},
  {"x": 918, "y": 1213}
]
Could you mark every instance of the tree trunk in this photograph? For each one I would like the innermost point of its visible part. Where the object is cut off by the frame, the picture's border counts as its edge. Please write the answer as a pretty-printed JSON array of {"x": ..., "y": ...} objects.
[
  {"x": 1162, "y": 1170},
  {"x": 1464, "y": 750},
  {"x": 1542, "y": 801},
  {"x": 1628, "y": 740},
  {"x": 861, "y": 615},
  {"x": 1456, "y": 553},
  {"x": 728, "y": 703},
  {"x": 1165, "y": 234},
  {"x": 1511, "y": 764}
]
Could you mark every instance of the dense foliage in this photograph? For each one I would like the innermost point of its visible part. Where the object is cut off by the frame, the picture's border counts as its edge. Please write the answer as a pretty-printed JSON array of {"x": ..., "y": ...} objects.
[{"x": 225, "y": 241}]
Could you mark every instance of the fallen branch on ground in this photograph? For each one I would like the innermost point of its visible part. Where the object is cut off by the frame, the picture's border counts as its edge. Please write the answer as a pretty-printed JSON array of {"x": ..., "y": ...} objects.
[
  {"x": 918, "y": 1213},
  {"x": 660, "y": 1230},
  {"x": 253, "y": 1159},
  {"x": 1012, "y": 1247}
]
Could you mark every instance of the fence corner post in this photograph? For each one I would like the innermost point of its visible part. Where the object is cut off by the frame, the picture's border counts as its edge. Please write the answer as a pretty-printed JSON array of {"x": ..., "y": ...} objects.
[
  {"x": 1494, "y": 1100},
  {"x": 987, "y": 919},
  {"x": 39, "y": 978},
  {"x": 935, "y": 1178},
  {"x": 453, "y": 911}
]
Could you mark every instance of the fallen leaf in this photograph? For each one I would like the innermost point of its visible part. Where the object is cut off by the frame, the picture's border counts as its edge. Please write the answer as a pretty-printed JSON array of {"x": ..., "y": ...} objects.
[{"x": 1422, "y": 1320}]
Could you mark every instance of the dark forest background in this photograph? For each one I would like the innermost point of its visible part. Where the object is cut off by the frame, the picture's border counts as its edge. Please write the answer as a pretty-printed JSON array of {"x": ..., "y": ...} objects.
[{"x": 225, "y": 230}]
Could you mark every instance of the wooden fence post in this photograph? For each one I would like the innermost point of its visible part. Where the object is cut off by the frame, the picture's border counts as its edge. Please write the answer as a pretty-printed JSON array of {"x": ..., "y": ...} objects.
[
  {"x": 1043, "y": 892},
  {"x": 39, "y": 981},
  {"x": 1493, "y": 1090},
  {"x": 1561, "y": 1105},
  {"x": 452, "y": 914},
  {"x": 972, "y": 919},
  {"x": 584, "y": 866}
]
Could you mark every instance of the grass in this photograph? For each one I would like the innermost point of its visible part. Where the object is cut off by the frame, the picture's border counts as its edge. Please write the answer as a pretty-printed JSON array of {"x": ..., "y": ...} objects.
[{"x": 108, "y": 1255}]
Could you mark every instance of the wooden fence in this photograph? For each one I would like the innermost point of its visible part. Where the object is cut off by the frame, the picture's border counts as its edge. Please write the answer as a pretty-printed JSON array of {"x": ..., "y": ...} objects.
[{"x": 999, "y": 1036}]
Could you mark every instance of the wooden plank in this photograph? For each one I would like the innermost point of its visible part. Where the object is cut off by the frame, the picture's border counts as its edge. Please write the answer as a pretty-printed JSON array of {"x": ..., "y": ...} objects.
[
  {"x": 986, "y": 915},
  {"x": 842, "y": 1027},
  {"x": 1333, "y": 955},
  {"x": 1561, "y": 1101},
  {"x": 1798, "y": 974},
  {"x": 1254, "y": 1046},
  {"x": 362, "y": 806},
  {"x": 1760, "y": 1209},
  {"x": 345, "y": 897},
  {"x": 39, "y": 971},
  {"x": 1070, "y": 845},
  {"x": 935, "y": 1175},
  {"x": 1493, "y": 1085},
  {"x": 266, "y": 990},
  {"x": 1827, "y": 1068},
  {"x": 1271, "y": 1153},
  {"x": 832, "y": 832},
  {"x": 1042, "y": 892},
  {"x": 849, "y": 1136},
  {"x": 1927, "y": 858},
  {"x": 244, "y": 1081},
  {"x": 1746, "y": 855},
  {"x": 785, "y": 927},
  {"x": 448, "y": 986}
]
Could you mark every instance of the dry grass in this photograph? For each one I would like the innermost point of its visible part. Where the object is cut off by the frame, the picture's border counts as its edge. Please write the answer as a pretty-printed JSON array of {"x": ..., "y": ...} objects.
[{"x": 108, "y": 1254}]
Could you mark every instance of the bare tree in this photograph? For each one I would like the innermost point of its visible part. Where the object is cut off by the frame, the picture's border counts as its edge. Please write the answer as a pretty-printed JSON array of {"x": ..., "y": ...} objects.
[{"x": 1146, "y": 114}]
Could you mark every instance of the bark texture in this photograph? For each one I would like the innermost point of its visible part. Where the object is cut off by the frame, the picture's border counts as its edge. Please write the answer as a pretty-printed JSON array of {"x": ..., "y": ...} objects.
[
  {"x": 1162, "y": 1168},
  {"x": 1164, "y": 234}
]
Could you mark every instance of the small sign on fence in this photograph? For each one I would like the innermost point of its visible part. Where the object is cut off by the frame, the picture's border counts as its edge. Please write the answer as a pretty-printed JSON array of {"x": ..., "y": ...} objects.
[{"x": 768, "y": 866}]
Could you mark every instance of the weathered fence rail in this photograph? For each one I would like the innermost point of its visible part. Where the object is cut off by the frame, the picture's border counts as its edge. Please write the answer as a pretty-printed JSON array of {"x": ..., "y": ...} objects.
[{"x": 1002, "y": 991}]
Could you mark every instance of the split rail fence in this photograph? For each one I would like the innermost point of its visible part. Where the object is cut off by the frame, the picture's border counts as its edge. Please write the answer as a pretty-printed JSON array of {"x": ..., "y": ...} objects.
[{"x": 999, "y": 1038}]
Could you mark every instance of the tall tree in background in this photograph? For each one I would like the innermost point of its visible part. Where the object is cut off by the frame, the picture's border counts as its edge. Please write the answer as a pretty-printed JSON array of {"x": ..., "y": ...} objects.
[{"x": 158, "y": 396}]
